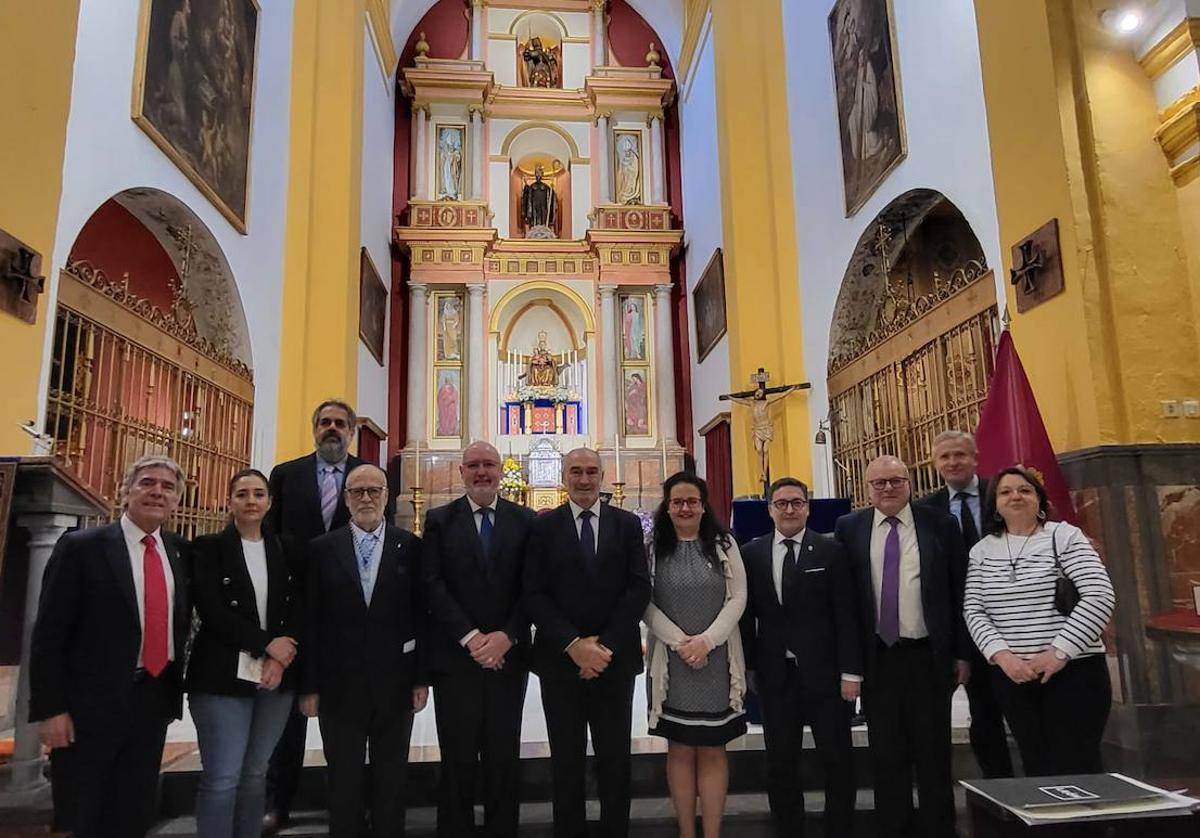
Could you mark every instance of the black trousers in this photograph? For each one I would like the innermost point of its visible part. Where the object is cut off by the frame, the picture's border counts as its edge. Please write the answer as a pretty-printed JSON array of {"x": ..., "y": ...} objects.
[
  {"x": 479, "y": 730},
  {"x": 349, "y": 734},
  {"x": 907, "y": 703},
  {"x": 989, "y": 739},
  {"x": 105, "y": 785},
  {"x": 283, "y": 773},
  {"x": 786, "y": 710},
  {"x": 1059, "y": 725},
  {"x": 604, "y": 704}
]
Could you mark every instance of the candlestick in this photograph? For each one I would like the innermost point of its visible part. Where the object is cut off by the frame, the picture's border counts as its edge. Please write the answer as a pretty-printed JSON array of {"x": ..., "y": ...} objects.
[
  {"x": 418, "y": 503},
  {"x": 618, "y": 495}
]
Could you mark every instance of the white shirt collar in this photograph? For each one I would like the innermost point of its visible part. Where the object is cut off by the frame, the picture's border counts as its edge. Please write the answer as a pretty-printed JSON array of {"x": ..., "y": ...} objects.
[
  {"x": 905, "y": 515},
  {"x": 576, "y": 509},
  {"x": 780, "y": 537},
  {"x": 475, "y": 507},
  {"x": 971, "y": 488},
  {"x": 359, "y": 532},
  {"x": 134, "y": 532}
]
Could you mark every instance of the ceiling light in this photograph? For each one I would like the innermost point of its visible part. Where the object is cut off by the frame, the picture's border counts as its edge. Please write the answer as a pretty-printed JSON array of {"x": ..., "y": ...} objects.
[{"x": 1122, "y": 21}]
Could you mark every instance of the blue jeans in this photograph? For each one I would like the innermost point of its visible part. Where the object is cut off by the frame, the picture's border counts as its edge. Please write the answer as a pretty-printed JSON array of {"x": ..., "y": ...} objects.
[{"x": 237, "y": 736}]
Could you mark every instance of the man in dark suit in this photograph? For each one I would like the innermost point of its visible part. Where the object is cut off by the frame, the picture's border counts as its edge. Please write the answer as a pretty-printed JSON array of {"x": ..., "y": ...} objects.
[
  {"x": 307, "y": 501},
  {"x": 364, "y": 658},
  {"x": 909, "y": 566},
  {"x": 474, "y": 552},
  {"x": 586, "y": 587},
  {"x": 106, "y": 665},
  {"x": 803, "y": 651},
  {"x": 962, "y": 497}
]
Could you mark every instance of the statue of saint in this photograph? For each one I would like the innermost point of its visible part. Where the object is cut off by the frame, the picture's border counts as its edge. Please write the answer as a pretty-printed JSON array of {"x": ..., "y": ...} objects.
[
  {"x": 539, "y": 207},
  {"x": 543, "y": 369},
  {"x": 629, "y": 170},
  {"x": 541, "y": 65}
]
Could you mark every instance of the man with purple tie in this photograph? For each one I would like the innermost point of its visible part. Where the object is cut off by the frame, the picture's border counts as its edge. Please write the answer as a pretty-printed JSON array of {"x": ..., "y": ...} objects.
[{"x": 910, "y": 566}]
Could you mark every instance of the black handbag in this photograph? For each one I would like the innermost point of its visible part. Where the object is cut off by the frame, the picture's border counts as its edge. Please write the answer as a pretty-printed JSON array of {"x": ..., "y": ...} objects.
[{"x": 1066, "y": 595}]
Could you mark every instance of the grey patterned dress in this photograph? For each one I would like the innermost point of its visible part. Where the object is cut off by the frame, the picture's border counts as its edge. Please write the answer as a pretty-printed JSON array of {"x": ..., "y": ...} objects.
[{"x": 690, "y": 590}]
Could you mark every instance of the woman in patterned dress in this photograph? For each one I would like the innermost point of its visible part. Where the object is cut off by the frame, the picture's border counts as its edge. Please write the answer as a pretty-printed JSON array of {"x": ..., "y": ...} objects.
[{"x": 696, "y": 671}]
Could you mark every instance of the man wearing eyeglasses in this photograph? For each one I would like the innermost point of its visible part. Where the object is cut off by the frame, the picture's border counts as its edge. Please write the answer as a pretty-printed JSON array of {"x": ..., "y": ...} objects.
[
  {"x": 962, "y": 497},
  {"x": 909, "y": 565},
  {"x": 801, "y": 640},
  {"x": 307, "y": 501},
  {"x": 364, "y": 671}
]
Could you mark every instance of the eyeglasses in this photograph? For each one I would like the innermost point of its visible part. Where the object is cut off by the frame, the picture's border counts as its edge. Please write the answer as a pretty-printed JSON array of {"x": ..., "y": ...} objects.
[
  {"x": 887, "y": 483},
  {"x": 783, "y": 505},
  {"x": 690, "y": 503},
  {"x": 372, "y": 492}
]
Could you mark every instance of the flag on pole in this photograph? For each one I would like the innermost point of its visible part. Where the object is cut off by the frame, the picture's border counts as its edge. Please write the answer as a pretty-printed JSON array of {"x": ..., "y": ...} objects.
[{"x": 1011, "y": 431}]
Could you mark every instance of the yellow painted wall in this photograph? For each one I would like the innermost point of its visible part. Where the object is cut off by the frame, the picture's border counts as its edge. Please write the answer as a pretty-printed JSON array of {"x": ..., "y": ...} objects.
[
  {"x": 1071, "y": 118},
  {"x": 762, "y": 284},
  {"x": 319, "y": 352},
  {"x": 37, "y": 61}
]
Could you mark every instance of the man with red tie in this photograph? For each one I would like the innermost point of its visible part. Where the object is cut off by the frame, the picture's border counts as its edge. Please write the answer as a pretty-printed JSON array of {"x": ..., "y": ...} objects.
[{"x": 106, "y": 663}]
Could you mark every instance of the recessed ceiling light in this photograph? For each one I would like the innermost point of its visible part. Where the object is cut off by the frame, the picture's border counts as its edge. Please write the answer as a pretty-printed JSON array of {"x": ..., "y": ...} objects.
[{"x": 1122, "y": 21}]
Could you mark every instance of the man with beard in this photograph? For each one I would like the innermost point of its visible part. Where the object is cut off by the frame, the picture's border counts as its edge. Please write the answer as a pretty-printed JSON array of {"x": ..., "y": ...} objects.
[
  {"x": 479, "y": 645},
  {"x": 307, "y": 501}
]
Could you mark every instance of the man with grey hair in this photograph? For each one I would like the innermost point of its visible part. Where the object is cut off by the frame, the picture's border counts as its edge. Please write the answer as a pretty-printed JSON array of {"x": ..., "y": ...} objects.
[
  {"x": 106, "y": 664},
  {"x": 962, "y": 497},
  {"x": 307, "y": 501}
]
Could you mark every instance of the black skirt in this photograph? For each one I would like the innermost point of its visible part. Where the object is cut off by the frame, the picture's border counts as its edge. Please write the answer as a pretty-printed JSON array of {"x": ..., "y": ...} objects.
[{"x": 699, "y": 730}]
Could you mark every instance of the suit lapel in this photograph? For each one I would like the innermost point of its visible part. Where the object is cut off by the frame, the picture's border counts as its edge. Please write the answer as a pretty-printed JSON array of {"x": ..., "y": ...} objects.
[
  {"x": 385, "y": 576},
  {"x": 312, "y": 497},
  {"x": 349, "y": 561},
  {"x": 863, "y": 536},
  {"x": 763, "y": 568},
  {"x": 234, "y": 555},
  {"x": 119, "y": 560},
  {"x": 607, "y": 535},
  {"x": 277, "y": 579},
  {"x": 927, "y": 546},
  {"x": 464, "y": 521}
]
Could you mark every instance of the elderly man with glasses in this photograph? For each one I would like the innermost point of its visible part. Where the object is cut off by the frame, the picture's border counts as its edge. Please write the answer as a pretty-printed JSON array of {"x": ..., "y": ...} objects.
[
  {"x": 909, "y": 565},
  {"x": 801, "y": 639}
]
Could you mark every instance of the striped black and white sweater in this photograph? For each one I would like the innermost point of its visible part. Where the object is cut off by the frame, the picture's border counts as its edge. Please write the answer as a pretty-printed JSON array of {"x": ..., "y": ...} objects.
[{"x": 1009, "y": 602}]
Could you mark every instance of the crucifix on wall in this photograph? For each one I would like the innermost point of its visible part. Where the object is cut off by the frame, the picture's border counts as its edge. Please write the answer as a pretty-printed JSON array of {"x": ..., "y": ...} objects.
[{"x": 759, "y": 400}]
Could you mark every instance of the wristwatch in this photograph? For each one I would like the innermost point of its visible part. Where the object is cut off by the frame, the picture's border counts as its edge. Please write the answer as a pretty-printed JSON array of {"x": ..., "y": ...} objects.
[{"x": 1060, "y": 654}]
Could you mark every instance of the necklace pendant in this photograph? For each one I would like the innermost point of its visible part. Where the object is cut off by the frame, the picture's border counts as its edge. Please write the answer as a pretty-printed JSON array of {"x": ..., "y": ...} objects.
[{"x": 1012, "y": 575}]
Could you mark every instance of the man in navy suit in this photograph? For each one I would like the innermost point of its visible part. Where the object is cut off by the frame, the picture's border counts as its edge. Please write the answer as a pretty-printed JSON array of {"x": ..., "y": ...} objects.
[
  {"x": 801, "y": 638},
  {"x": 307, "y": 501},
  {"x": 962, "y": 497},
  {"x": 909, "y": 564},
  {"x": 364, "y": 671},
  {"x": 472, "y": 559},
  {"x": 106, "y": 664},
  {"x": 586, "y": 588}
]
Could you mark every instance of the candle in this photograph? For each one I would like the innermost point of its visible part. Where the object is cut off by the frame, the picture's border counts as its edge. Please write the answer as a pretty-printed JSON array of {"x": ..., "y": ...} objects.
[
  {"x": 664, "y": 454},
  {"x": 617, "y": 449},
  {"x": 417, "y": 466}
]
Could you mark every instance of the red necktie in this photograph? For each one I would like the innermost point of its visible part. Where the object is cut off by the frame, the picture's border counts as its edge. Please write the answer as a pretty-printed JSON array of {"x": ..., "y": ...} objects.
[{"x": 156, "y": 619}]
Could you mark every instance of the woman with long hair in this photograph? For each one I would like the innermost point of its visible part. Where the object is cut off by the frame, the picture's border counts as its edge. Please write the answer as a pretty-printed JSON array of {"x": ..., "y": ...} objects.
[
  {"x": 238, "y": 679},
  {"x": 695, "y": 667},
  {"x": 1050, "y": 674}
]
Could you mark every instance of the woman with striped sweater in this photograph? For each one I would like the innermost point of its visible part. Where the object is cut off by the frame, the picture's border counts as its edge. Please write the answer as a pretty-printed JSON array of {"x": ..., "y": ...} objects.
[{"x": 1050, "y": 673}]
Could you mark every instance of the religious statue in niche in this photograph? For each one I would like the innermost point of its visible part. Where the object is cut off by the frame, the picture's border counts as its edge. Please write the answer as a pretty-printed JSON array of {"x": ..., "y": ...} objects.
[
  {"x": 633, "y": 328},
  {"x": 637, "y": 414},
  {"x": 542, "y": 370},
  {"x": 539, "y": 207},
  {"x": 450, "y": 163},
  {"x": 629, "y": 167},
  {"x": 447, "y": 403},
  {"x": 541, "y": 65},
  {"x": 449, "y": 337}
]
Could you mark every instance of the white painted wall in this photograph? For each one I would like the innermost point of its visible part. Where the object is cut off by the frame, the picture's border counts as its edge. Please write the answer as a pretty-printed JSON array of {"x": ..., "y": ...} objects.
[
  {"x": 702, "y": 223},
  {"x": 948, "y": 150},
  {"x": 377, "y": 163},
  {"x": 107, "y": 153}
]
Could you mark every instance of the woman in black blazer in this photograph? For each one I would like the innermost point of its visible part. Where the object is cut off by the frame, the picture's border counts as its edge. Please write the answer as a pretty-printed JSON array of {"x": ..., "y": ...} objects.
[{"x": 238, "y": 678}]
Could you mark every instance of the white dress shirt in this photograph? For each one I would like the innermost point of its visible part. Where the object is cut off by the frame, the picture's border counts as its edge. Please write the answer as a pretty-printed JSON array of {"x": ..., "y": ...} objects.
[
  {"x": 376, "y": 555},
  {"x": 255, "y": 554},
  {"x": 137, "y": 557},
  {"x": 912, "y": 612},
  {"x": 973, "y": 502},
  {"x": 595, "y": 510}
]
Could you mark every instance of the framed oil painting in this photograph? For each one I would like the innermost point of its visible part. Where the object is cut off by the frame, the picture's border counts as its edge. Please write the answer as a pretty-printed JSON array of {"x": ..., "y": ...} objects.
[
  {"x": 194, "y": 92},
  {"x": 708, "y": 305},
  {"x": 635, "y": 402},
  {"x": 867, "y": 82},
  {"x": 447, "y": 412},
  {"x": 372, "y": 306},
  {"x": 633, "y": 327}
]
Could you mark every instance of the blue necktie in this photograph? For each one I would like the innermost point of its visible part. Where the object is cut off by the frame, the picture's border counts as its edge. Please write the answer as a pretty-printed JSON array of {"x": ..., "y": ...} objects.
[
  {"x": 587, "y": 539},
  {"x": 366, "y": 546},
  {"x": 485, "y": 536}
]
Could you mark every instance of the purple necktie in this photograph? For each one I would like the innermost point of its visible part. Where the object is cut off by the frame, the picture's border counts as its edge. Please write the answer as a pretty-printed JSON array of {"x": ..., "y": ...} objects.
[{"x": 889, "y": 593}]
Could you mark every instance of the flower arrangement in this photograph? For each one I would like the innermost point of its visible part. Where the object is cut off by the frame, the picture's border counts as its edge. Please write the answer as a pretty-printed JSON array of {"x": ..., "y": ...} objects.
[
  {"x": 530, "y": 392},
  {"x": 511, "y": 479},
  {"x": 646, "y": 517}
]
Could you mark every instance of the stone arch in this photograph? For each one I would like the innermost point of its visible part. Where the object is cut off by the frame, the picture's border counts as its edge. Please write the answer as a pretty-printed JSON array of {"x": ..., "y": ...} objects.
[
  {"x": 543, "y": 136},
  {"x": 528, "y": 16},
  {"x": 577, "y": 314}
]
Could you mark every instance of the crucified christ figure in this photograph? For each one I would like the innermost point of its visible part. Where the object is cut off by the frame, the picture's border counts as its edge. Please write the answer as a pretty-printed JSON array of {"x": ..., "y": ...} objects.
[{"x": 759, "y": 400}]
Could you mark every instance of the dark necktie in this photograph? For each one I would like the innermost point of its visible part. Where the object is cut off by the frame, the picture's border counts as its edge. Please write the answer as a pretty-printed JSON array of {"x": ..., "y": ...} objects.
[
  {"x": 789, "y": 570},
  {"x": 485, "y": 536},
  {"x": 966, "y": 520},
  {"x": 587, "y": 539}
]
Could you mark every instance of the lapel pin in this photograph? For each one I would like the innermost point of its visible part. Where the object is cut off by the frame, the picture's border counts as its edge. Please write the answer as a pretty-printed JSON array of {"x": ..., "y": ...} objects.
[{"x": 810, "y": 547}]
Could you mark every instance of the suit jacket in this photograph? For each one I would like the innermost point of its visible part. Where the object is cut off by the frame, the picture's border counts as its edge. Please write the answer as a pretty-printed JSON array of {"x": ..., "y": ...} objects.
[
  {"x": 565, "y": 600},
  {"x": 295, "y": 513},
  {"x": 943, "y": 579},
  {"x": 819, "y": 626},
  {"x": 88, "y": 634},
  {"x": 463, "y": 595},
  {"x": 228, "y": 610},
  {"x": 940, "y": 500},
  {"x": 358, "y": 657}
]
